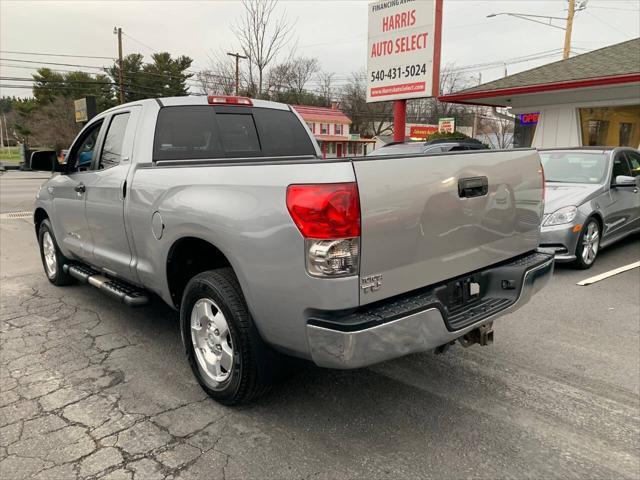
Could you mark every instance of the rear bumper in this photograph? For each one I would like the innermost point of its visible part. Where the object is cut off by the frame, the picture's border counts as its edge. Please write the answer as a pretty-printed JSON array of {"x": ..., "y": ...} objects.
[{"x": 373, "y": 335}]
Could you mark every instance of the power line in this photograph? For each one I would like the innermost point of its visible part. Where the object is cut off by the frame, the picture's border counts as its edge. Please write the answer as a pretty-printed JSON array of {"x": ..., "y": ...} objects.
[
  {"x": 139, "y": 42},
  {"x": 55, "y": 54},
  {"x": 90, "y": 66}
]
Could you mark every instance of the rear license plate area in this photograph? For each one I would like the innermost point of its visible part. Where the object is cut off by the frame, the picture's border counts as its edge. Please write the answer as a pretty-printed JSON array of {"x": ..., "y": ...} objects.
[{"x": 462, "y": 292}]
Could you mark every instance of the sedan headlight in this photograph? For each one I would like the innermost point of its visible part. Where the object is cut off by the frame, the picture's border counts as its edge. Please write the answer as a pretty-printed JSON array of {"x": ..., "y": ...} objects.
[{"x": 561, "y": 216}]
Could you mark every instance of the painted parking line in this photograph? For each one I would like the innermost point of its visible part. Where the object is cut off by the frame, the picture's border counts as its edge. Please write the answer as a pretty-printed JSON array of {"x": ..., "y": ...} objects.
[{"x": 608, "y": 274}]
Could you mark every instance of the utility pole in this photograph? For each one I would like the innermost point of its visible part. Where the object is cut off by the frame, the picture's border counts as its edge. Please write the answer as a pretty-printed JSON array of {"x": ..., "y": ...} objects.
[
  {"x": 118, "y": 31},
  {"x": 238, "y": 57},
  {"x": 582, "y": 4},
  {"x": 475, "y": 111},
  {"x": 567, "y": 33}
]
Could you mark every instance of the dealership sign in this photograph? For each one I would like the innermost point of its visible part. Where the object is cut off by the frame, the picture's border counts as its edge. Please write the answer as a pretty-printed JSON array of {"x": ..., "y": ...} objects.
[
  {"x": 403, "y": 48},
  {"x": 447, "y": 125}
]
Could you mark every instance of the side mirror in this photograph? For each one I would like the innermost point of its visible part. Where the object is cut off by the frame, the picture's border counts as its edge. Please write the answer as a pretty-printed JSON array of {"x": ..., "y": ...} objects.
[{"x": 46, "y": 161}]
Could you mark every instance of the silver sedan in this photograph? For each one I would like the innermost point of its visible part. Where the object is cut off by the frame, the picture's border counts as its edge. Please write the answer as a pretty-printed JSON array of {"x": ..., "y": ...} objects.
[{"x": 592, "y": 200}]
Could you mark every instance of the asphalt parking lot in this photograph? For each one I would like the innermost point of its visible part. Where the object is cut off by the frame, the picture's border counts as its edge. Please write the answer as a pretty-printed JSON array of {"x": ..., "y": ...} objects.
[{"x": 92, "y": 389}]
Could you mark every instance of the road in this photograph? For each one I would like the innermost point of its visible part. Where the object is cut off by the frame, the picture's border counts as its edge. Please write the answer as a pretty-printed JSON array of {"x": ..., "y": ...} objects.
[{"x": 93, "y": 389}]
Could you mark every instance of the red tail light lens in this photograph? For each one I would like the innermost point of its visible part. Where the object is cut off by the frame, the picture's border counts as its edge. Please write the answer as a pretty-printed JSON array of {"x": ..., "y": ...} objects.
[
  {"x": 228, "y": 100},
  {"x": 325, "y": 211}
]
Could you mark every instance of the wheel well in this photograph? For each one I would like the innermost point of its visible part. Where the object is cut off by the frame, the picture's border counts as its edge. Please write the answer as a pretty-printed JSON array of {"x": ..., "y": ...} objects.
[
  {"x": 188, "y": 257},
  {"x": 38, "y": 216},
  {"x": 598, "y": 219}
]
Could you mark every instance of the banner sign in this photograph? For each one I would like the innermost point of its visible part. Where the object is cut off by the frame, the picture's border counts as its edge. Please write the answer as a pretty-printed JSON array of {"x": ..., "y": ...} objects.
[
  {"x": 447, "y": 125},
  {"x": 422, "y": 131},
  {"x": 400, "y": 55}
]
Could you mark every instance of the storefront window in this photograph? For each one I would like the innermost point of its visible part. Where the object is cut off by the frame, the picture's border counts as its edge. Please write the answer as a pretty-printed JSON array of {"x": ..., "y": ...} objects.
[{"x": 611, "y": 126}]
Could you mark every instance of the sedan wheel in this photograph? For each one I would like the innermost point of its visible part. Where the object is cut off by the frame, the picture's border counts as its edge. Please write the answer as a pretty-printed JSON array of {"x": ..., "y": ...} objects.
[{"x": 588, "y": 245}]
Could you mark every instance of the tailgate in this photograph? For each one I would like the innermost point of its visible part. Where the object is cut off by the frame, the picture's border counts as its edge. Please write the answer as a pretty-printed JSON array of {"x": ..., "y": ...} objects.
[{"x": 419, "y": 228}]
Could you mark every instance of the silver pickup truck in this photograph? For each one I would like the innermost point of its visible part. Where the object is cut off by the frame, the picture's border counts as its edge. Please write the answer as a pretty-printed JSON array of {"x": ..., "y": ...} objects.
[{"x": 224, "y": 208}]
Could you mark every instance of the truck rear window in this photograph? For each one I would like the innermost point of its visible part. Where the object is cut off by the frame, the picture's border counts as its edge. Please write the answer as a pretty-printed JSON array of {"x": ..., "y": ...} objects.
[{"x": 199, "y": 132}]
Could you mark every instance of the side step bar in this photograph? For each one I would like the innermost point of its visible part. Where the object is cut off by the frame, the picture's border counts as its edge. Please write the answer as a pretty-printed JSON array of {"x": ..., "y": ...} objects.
[{"x": 126, "y": 293}]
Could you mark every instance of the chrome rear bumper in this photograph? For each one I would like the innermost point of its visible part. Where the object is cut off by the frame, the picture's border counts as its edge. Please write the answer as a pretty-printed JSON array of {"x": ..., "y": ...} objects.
[{"x": 345, "y": 348}]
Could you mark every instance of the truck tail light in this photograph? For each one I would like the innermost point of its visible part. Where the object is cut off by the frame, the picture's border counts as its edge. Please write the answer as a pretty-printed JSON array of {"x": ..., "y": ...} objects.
[
  {"x": 328, "y": 217},
  {"x": 229, "y": 100}
]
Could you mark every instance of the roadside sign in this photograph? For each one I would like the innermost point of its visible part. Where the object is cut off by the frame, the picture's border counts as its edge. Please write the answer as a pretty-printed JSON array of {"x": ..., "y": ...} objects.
[
  {"x": 403, "y": 55},
  {"x": 85, "y": 109},
  {"x": 422, "y": 131},
  {"x": 447, "y": 125},
  {"x": 81, "y": 110}
]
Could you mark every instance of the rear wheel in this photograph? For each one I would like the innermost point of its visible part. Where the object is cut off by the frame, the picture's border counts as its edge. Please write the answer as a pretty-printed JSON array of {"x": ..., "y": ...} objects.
[
  {"x": 52, "y": 258},
  {"x": 588, "y": 245},
  {"x": 225, "y": 352}
]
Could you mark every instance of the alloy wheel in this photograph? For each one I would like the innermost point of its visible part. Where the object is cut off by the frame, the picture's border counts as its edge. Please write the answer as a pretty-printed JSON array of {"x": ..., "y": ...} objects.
[
  {"x": 211, "y": 340},
  {"x": 590, "y": 243},
  {"x": 49, "y": 251}
]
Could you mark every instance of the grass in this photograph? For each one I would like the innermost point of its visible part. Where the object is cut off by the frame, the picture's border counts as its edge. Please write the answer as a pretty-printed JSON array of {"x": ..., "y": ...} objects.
[{"x": 10, "y": 155}]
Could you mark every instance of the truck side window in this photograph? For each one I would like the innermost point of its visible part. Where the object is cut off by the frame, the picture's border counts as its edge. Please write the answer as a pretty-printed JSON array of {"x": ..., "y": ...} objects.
[
  {"x": 81, "y": 154},
  {"x": 112, "y": 149}
]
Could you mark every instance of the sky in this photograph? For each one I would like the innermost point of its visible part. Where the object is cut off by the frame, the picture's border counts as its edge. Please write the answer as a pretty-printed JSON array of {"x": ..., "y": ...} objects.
[{"x": 335, "y": 32}]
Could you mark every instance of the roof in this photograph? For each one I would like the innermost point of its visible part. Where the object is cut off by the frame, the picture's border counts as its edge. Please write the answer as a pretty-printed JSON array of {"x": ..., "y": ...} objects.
[
  {"x": 321, "y": 114},
  {"x": 615, "y": 64}
]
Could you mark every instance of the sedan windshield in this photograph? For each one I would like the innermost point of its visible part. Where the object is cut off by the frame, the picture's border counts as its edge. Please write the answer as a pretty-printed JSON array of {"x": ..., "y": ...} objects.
[{"x": 574, "y": 167}]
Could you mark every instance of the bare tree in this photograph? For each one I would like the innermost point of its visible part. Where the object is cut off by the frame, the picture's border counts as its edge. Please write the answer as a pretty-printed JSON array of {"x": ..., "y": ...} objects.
[
  {"x": 262, "y": 34},
  {"x": 429, "y": 110},
  {"x": 368, "y": 118},
  {"x": 496, "y": 128},
  {"x": 302, "y": 70},
  {"x": 326, "y": 89},
  {"x": 53, "y": 124},
  {"x": 278, "y": 79},
  {"x": 219, "y": 78}
]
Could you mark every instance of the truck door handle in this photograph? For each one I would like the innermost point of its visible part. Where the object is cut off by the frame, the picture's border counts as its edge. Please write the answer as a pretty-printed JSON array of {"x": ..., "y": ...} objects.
[
  {"x": 80, "y": 188},
  {"x": 473, "y": 187}
]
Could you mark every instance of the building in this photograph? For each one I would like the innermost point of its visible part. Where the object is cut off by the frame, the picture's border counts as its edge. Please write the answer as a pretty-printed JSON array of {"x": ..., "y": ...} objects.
[
  {"x": 589, "y": 99},
  {"x": 330, "y": 127}
]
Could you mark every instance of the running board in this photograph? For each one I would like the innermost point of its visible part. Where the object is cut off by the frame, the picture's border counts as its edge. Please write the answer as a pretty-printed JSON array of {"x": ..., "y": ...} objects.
[{"x": 126, "y": 293}]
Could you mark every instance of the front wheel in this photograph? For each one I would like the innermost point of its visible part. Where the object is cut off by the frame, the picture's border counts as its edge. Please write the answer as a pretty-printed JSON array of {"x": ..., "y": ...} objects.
[
  {"x": 52, "y": 258},
  {"x": 224, "y": 350},
  {"x": 588, "y": 245}
]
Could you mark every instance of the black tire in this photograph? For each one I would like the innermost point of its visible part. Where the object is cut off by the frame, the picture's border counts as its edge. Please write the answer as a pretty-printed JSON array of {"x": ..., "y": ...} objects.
[
  {"x": 54, "y": 273},
  {"x": 255, "y": 364},
  {"x": 584, "y": 260}
]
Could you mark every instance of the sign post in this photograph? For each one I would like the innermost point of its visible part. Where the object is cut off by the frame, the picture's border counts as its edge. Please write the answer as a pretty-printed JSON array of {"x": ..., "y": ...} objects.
[{"x": 403, "y": 54}]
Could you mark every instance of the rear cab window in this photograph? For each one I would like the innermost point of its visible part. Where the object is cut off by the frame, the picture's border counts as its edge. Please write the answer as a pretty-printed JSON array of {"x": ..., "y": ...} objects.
[{"x": 219, "y": 132}]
